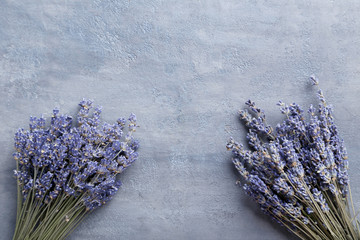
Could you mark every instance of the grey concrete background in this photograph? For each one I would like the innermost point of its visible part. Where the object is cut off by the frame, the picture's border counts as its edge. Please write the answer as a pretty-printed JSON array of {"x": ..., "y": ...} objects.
[{"x": 185, "y": 68}]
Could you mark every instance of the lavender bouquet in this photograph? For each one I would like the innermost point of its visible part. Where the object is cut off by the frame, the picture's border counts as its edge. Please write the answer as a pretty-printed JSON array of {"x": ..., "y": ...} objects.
[
  {"x": 64, "y": 172},
  {"x": 298, "y": 174}
]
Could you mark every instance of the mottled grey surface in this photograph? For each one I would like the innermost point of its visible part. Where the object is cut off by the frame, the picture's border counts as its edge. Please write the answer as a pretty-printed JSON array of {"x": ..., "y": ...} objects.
[{"x": 185, "y": 68}]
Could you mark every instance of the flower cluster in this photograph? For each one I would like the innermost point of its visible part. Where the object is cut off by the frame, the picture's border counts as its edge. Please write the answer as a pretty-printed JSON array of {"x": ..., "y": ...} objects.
[
  {"x": 298, "y": 174},
  {"x": 62, "y": 162}
]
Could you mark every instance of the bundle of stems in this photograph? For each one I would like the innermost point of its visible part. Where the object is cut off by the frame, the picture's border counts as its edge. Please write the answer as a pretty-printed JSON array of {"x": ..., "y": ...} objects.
[
  {"x": 64, "y": 172},
  {"x": 51, "y": 221},
  {"x": 298, "y": 173}
]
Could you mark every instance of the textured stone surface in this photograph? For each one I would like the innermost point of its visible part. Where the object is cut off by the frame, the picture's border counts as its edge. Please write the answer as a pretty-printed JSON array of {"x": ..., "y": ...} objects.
[{"x": 185, "y": 68}]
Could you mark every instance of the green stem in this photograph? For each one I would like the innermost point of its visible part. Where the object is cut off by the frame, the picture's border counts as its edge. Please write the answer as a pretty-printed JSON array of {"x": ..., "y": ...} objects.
[
  {"x": 30, "y": 196},
  {"x": 66, "y": 226},
  {"x": 19, "y": 201},
  {"x": 76, "y": 223},
  {"x": 53, "y": 209},
  {"x": 57, "y": 220}
]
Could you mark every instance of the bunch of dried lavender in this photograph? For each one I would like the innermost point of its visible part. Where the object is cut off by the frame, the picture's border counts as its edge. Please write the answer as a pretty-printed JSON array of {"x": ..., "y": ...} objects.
[
  {"x": 298, "y": 174},
  {"x": 65, "y": 172}
]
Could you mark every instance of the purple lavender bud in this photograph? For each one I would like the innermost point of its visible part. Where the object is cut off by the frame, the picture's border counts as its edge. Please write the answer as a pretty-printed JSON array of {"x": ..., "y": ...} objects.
[
  {"x": 309, "y": 210},
  {"x": 132, "y": 118},
  {"x": 314, "y": 79},
  {"x": 318, "y": 196}
]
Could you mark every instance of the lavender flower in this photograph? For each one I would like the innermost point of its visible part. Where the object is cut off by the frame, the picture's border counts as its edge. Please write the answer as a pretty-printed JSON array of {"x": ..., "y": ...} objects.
[
  {"x": 298, "y": 174},
  {"x": 64, "y": 172}
]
